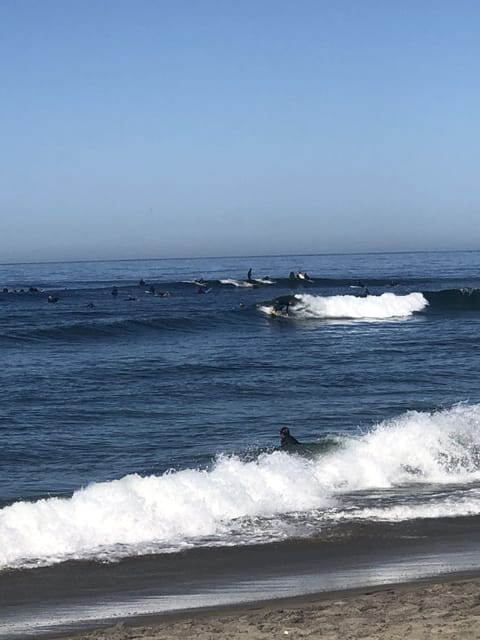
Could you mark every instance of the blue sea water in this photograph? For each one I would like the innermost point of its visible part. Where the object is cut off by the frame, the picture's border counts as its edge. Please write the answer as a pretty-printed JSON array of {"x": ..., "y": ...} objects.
[{"x": 141, "y": 423}]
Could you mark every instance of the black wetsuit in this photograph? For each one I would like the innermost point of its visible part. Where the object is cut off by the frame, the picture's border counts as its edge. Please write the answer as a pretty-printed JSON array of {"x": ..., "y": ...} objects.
[{"x": 288, "y": 439}]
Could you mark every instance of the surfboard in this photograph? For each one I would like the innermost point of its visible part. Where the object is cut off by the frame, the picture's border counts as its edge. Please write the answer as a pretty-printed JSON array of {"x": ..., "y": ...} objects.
[
  {"x": 263, "y": 281},
  {"x": 278, "y": 314}
]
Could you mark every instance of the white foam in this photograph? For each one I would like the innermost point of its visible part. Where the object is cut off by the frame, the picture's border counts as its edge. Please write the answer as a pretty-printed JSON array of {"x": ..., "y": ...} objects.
[
  {"x": 438, "y": 509},
  {"x": 265, "y": 280},
  {"x": 387, "y": 305},
  {"x": 439, "y": 447},
  {"x": 237, "y": 502},
  {"x": 237, "y": 283},
  {"x": 167, "y": 510}
]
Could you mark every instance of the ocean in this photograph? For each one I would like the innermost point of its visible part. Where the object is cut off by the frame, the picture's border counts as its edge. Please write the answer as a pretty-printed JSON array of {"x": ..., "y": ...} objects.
[{"x": 141, "y": 469}]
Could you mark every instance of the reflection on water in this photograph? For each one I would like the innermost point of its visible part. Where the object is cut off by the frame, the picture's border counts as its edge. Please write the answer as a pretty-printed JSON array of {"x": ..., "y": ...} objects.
[{"x": 41, "y": 620}]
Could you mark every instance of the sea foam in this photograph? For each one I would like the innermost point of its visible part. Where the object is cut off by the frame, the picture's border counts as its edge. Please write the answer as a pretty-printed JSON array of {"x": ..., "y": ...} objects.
[
  {"x": 387, "y": 305},
  {"x": 241, "y": 502}
]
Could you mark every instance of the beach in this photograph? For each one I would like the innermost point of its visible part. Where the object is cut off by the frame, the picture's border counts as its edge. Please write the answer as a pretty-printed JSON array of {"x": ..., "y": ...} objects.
[{"x": 449, "y": 609}]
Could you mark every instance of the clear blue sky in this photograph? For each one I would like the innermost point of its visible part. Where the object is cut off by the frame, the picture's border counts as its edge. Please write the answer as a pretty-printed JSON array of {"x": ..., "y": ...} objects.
[{"x": 192, "y": 128}]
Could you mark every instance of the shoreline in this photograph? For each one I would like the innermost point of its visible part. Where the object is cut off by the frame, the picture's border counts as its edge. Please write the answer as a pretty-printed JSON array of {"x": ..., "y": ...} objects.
[
  {"x": 71, "y": 598},
  {"x": 447, "y": 605}
]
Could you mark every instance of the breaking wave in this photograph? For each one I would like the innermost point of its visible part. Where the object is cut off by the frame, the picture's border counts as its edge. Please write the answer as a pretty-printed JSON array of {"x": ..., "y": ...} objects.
[
  {"x": 274, "y": 496},
  {"x": 385, "y": 306}
]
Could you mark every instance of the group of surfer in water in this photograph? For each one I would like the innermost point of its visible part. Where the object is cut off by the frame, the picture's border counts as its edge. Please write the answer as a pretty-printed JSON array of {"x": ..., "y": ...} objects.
[{"x": 281, "y": 306}]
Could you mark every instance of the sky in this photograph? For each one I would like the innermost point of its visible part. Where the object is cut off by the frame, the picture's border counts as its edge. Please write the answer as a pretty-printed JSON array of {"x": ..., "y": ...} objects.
[{"x": 183, "y": 128}]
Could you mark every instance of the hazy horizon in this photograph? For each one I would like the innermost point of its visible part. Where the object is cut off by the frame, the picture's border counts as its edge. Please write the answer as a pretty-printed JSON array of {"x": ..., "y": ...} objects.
[{"x": 236, "y": 256}]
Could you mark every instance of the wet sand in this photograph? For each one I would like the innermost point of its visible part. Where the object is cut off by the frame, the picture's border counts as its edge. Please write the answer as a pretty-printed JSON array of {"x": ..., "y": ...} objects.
[
  {"x": 448, "y": 609},
  {"x": 264, "y": 591}
]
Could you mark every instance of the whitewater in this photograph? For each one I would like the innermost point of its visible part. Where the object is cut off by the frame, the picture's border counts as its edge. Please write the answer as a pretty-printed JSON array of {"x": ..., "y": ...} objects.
[
  {"x": 276, "y": 495},
  {"x": 371, "y": 307}
]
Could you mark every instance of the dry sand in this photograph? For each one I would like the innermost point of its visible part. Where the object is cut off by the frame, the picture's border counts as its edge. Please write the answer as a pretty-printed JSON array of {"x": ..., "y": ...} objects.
[{"x": 414, "y": 611}]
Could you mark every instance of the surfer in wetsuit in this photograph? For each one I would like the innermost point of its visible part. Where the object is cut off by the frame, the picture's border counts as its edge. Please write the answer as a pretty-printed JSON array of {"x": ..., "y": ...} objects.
[
  {"x": 286, "y": 438},
  {"x": 285, "y": 307},
  {"x": 249, "y": 275},
  {"x": 282, "y": 306}
]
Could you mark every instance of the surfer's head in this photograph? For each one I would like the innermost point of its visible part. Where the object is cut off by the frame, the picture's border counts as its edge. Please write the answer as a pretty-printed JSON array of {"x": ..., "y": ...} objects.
[{"x": 284, "y": 431}]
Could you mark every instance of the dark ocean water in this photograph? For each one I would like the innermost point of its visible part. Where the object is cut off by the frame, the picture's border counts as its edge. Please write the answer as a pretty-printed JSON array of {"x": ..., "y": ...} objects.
[{"x": 136, "y": 424}]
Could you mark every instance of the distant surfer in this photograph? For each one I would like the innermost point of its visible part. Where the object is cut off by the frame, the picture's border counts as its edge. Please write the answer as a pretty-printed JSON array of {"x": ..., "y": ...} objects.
[
  {"x": 303, "y": 276},
  {"x": 114, "y": 291},
  {"x": 201, "y": 284},
  {"x": 286, "y": 438},
  {"x": 249, "y": 275},
  {"x": 282, "y": 306}
]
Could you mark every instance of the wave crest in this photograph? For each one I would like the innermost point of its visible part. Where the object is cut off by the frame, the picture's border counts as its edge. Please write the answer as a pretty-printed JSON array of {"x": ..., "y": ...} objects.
[
  {"x": 384, "y": 306},
  {"x": 275, "y": 496}
]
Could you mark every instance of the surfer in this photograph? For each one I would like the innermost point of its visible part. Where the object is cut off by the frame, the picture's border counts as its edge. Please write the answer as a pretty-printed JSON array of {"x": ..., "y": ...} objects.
[
  {"x": 114, "y": 291},
  {"x": 286, "y": 437},
  {"x": 282, "y": 305},
  {"x": 249, "y": 275},
  {"x": 284, "y": 308}
]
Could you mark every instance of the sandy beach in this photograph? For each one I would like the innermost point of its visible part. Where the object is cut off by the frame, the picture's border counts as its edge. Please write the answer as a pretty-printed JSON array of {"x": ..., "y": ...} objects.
[{"x": 448, "y": 609}]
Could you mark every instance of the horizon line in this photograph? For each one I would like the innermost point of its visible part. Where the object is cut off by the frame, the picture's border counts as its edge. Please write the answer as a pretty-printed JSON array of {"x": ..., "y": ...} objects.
[{"x": 223, "y": 257}]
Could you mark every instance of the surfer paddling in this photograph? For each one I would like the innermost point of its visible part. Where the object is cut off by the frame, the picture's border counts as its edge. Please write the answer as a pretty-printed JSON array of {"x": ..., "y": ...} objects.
[{"x": 286, "y": 438}]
